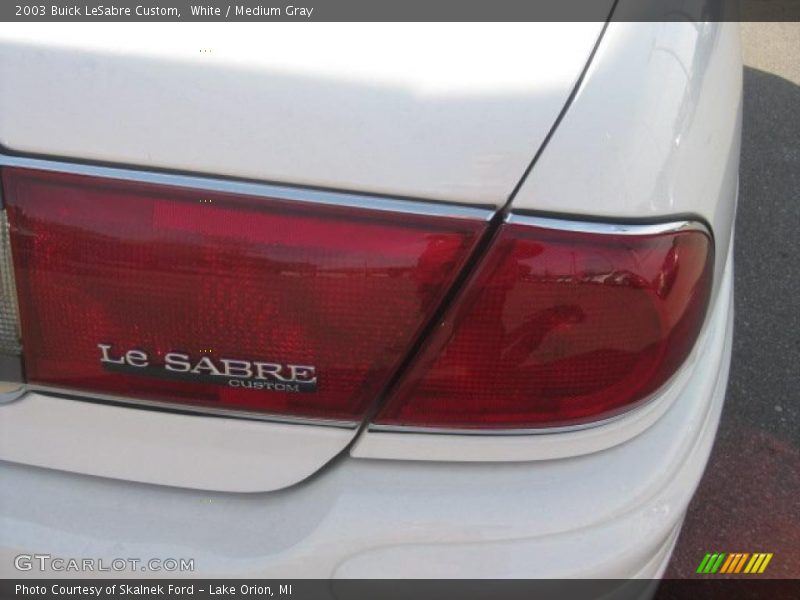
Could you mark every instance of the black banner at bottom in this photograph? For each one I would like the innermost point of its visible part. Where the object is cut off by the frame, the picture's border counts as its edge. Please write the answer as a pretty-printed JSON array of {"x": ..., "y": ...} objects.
[{"x": 413, "y": 589}]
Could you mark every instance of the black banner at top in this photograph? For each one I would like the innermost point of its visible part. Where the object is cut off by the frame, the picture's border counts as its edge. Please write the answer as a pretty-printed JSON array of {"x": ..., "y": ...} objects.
[{"x": 398, "y": 10}]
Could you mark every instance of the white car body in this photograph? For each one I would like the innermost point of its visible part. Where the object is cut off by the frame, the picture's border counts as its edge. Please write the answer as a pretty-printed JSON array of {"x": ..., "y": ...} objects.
[{"x": 650, "y": 133}]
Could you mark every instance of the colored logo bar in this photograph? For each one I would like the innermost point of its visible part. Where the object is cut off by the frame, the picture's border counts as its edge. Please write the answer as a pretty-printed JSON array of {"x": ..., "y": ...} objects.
[{"x": 734, "y": 562}]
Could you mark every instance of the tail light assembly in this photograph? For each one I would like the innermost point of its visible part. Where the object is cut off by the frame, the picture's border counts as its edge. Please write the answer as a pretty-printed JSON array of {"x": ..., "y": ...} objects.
[
  {"x": 276, "y": 303},
  {"x": 563, "y": 323},
  {"x": 222, "y": 300}
]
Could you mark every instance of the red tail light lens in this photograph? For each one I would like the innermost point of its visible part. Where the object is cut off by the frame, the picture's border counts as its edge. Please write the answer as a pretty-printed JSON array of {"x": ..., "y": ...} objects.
[
  {"x": 560, "y": 327},
  {"x": 221, "y": 300}
]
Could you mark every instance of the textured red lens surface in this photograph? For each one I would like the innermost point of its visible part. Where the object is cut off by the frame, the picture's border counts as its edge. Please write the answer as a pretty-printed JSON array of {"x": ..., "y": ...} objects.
[
  {"x": 559, "y": 328},
  {"x": 304, "y": 289}
]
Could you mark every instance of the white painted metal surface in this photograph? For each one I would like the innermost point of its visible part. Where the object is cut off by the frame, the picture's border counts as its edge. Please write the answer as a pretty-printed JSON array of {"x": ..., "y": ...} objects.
[
  {"x": 438, "y": 111},
  {"x": 191, "y": 451}
]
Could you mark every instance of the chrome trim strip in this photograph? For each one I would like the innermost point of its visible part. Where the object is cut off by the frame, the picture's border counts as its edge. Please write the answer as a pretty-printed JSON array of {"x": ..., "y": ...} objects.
[
  {"x": 262, "y": 190},
  {"x": 10, "y": 391},
  {"x": 200, "y": 411},
  {"x": 534, "y": 431},
  {"x": 607, "y": 227}
]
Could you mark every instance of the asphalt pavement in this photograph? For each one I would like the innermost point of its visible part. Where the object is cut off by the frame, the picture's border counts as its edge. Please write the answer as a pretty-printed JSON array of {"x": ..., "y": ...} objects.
[{"x": 749, "y": 499}]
